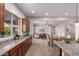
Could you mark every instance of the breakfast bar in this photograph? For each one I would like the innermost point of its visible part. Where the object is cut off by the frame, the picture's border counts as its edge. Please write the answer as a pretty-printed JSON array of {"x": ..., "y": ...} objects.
[{"x": 68, "y": 49}]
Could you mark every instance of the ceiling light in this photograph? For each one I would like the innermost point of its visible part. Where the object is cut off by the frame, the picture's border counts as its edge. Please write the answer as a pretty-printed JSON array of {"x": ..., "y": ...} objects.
[
  {"x": 61, "y": 19},
  {"x": 66, "y": 14},
  {"x": 46, "y": 19},
  {"x": 33, "y": 12},
  {"x": 46, "y": 13}
]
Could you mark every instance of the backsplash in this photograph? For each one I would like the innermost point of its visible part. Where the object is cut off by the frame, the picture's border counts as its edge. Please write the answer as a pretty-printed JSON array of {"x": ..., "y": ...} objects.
[
  {"x": 25, "y": 33},
  {"x": 1, "y": 34}
]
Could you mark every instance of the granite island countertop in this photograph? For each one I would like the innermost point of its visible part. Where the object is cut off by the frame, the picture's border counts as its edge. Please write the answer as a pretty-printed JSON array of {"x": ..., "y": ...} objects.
[
  {"x": 6, "y": 46},
  {"x": 72, "y": 49}
]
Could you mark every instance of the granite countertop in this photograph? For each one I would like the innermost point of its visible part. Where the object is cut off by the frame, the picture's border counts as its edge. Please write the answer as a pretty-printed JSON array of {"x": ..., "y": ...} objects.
[
  {"x": 72, "y": 49},
  {"x": 6, "y": 46}
]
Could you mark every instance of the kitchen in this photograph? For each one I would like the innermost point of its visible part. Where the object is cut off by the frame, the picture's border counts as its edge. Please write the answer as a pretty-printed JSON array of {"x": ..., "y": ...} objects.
[
  {"x": 15, "y": 39},
  {"x": 21, "y": 25}
]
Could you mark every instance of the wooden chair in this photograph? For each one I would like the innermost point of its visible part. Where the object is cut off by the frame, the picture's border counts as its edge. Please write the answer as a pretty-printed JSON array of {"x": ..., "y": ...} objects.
[
  {"x": 61, "y": 38},
  {"x": 50, "y": 41}
]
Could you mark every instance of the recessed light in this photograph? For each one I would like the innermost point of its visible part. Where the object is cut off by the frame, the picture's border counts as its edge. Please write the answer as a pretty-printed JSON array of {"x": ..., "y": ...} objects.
[
  {"x": 46, "y": 13},
  {"x": 66, "y": 14},
  {"x": 33, "y": 11}
]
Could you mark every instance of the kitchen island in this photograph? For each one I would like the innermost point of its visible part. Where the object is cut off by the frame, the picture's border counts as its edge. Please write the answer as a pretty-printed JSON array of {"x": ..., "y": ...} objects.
[
  {"x": 68, "y": 49},
  {"x": 15, "y": 47}
]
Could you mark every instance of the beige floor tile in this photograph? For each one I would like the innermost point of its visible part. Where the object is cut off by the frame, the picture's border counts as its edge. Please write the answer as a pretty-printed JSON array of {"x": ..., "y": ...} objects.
[{"x": 40, "y": 48}]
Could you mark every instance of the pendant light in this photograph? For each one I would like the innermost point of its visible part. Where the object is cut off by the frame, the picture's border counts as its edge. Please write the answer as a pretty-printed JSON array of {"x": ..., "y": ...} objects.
[
  {"x": 76, "y": 14},
  {"x": 47, "y": 24}
]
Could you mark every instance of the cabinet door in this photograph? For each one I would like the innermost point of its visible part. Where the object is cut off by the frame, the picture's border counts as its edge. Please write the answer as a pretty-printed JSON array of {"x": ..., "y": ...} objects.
[
  {"x": 25, "y": 25},
  {"x": 20, "y": 50},
  {"x": 14, "y": 52},
  {"x": 1, "y": 17},
  {"x": 20, "y": 53},
  {"x": 30, "y": 40},
  {"x": 24, "y": 47}
]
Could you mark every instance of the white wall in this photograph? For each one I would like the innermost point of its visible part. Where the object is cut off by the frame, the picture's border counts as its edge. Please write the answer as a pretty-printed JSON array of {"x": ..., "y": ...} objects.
[
  {"x": 60, "y": 30},
  {"x": 13, "y": 9},
  {"x": 37, "y": 28},
  {"x": 47, "y": 29},
  {"x": 31, "y": 27},
  {"x": 39, "y": 21},
  {"x": 77, "y": 31}
]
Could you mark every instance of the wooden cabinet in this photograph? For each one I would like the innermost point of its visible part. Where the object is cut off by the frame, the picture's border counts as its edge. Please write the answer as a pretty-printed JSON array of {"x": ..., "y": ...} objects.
[
  {"x": 26, "y": 45},
  {"x": 22, "y": 48},
  {"x": 29, "y": 42},
  {"x": 13, "y": 52},
  {"x": 25, "y": 25},
  {"x": 1, "y": 17},
  {"x": 17, "y": 51}
]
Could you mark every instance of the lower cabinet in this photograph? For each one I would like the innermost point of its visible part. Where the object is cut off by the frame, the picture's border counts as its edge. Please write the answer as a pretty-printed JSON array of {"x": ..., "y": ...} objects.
[
  {"x": 13, "y": 52},
  {"x": 28, "y": 43},
  {"x": 24, "y": 47},
  {"x": 16, "y": 51},
  {"x": 21, "y": 49}
]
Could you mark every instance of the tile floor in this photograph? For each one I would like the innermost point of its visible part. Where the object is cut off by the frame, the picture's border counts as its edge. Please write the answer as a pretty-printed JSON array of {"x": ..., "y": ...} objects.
[{"x": 40, "y": 47}]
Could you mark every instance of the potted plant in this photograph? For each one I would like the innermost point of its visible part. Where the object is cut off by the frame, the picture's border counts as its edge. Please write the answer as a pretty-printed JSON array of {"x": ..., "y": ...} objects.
[{"x": 16, "y": 36}]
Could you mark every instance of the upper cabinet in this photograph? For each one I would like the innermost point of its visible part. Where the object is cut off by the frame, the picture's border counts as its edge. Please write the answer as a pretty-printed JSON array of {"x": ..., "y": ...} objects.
[
  {"x": 25, "y": 25},
  {"x": 1, "y": 17}
]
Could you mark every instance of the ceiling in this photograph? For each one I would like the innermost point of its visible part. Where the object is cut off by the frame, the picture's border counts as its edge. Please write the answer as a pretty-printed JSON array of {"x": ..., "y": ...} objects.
[
  {"x": 56, "y": 11},
  {"x": 53, "y": 9}
]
